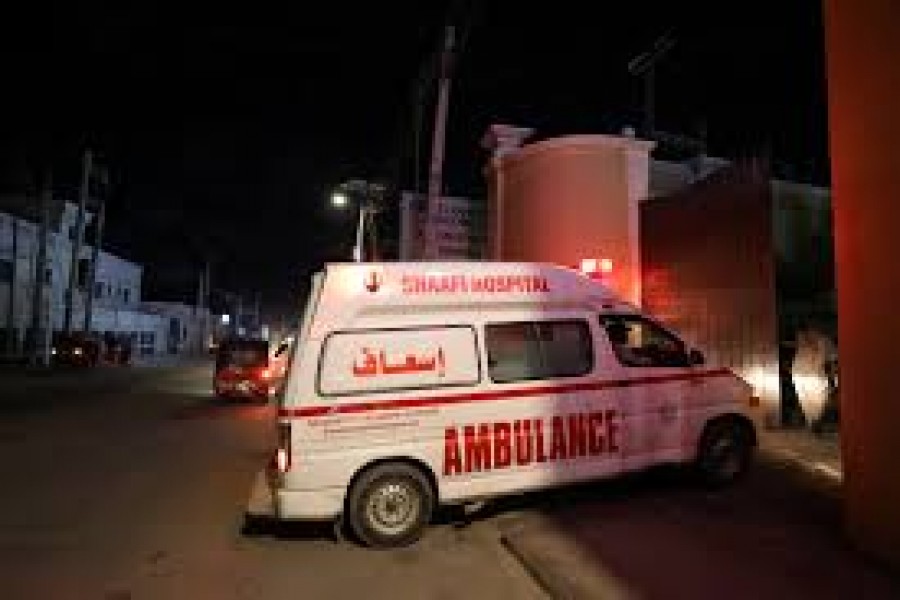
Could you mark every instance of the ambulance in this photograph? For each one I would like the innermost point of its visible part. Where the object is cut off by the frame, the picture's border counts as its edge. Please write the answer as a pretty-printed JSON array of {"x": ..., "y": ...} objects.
[{"x": 413, "y": 385}]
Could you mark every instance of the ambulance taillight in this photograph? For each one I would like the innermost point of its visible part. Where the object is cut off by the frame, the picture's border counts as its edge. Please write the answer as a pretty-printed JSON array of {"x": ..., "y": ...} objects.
[{"x": 283, "y": 458}]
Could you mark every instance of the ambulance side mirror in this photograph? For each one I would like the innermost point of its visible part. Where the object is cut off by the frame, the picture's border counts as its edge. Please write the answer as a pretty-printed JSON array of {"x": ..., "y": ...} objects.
[{"x": 695, "y": 357}]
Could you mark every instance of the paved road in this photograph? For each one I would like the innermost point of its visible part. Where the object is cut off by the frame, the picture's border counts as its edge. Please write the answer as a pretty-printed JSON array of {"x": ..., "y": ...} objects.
[
  {"x": 123, "y": 484},
  {"x": 132, "y": 484}
]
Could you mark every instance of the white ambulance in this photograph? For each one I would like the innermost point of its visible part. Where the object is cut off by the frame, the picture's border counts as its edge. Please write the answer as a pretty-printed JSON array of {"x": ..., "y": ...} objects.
[{"x": 417, "y": 384}]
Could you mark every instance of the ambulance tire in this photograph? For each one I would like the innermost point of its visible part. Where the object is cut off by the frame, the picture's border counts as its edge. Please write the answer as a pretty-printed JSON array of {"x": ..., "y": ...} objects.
[
  {"x": 390, "y": 505},
  {"x": 725, "y": 452}
]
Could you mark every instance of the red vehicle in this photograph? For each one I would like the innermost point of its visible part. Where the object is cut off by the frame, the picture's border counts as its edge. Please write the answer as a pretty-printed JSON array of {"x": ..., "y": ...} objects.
[{"x": 243, "y": 370}]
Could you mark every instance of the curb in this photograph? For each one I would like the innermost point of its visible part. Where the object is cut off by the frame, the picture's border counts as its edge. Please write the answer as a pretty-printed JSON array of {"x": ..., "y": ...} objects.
[{"x": 571, "y": 576}]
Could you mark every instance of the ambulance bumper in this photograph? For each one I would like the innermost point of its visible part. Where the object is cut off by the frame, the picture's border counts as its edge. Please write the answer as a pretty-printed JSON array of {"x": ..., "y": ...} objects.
[
  {"x": 269, "y": 501},
  {"x": 309, "y": 505}
]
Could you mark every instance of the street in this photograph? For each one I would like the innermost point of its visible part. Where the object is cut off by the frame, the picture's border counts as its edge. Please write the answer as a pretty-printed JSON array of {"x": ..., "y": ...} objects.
[{"x": 132, "y": 483}]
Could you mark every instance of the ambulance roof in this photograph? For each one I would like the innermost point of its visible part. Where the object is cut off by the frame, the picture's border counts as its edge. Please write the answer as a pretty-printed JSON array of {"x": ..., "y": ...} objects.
[{"x": 354, "y": 289}]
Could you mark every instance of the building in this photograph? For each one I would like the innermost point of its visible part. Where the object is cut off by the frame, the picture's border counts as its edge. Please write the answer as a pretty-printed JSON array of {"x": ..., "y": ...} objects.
[
  {"x": 187, "y": 329},
  {"x": 732, "y": 259},
  {"x": 116, "y": 309},
  {"x": 566, "y": 199}
]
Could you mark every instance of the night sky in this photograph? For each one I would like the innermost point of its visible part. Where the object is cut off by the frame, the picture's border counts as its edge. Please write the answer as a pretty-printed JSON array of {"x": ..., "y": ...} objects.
[{"x": 224, "y": 128}]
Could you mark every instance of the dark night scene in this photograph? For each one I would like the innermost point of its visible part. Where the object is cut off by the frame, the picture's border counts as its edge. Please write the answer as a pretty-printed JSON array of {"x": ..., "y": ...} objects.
[{"x": 449, "y": 299}]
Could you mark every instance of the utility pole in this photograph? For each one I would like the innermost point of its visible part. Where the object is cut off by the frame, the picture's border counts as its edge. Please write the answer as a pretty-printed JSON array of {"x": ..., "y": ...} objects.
[
  {"x": 12, "y": 333},
  {"x": 95, "y": 255},
  {"x": 238, "y": 318},
  {"x": 257, "y": 324},
  {"x": 87, "y": 166},
  {"x": 645, "y": 65},
  {"x": 38, "y": 346},
  {"x": 435, "y": 173}
]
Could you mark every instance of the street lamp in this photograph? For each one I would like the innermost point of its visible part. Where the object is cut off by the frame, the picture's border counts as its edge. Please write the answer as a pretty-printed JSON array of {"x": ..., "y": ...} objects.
[
  {"x": 367, "y": 194},
  {"x": 339, "y": 200}
]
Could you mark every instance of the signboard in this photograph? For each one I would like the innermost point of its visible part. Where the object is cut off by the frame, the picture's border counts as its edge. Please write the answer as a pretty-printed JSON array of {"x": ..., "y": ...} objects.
[{"x": 457, "y": 227}]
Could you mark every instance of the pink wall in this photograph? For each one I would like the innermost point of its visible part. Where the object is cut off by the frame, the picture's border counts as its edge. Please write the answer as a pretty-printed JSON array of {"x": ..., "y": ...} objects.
[{"x": 566, "y": 199}]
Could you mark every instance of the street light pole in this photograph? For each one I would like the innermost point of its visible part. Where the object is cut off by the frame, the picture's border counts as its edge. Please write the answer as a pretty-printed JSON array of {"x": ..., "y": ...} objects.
[
  {"x": 360, "y": 226},
  {"x": 368, "y": 194}
]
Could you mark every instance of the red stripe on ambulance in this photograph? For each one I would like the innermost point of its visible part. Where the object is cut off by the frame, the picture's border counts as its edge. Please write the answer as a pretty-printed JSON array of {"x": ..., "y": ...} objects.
[{"x": 401, "y": 403}]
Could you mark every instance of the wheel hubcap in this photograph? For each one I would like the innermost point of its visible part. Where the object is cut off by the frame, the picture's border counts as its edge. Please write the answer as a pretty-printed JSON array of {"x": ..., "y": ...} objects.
[
  {"x": 392, "y": 508},
  {"x": 726, "y": 457}
]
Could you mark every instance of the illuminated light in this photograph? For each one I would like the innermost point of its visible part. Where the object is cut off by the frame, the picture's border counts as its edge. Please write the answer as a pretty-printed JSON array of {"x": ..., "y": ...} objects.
[
  {"x": 265, "y": 373},
  {"x": 589, "y": 266},
  {"x": 606, "y": 266},
  {"x": 226, "y": 319},
  {"x": 282, "y": 460},
  {"x": 765, "y": 382},
  {"x": 339, "y": 200},
  {"x": 77, "y": 351},
  {"x": 283, "y": 453}
]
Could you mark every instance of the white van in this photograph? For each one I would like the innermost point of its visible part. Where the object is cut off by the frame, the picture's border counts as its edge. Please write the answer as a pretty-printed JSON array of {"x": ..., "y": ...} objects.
[{"x": 414, "y": 384}]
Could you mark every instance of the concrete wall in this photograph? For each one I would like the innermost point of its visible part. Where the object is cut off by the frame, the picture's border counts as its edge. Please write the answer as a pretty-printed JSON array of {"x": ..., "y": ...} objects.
[
  {"x": 569, "y": 198},
  {"x": 863, "y": 42}
]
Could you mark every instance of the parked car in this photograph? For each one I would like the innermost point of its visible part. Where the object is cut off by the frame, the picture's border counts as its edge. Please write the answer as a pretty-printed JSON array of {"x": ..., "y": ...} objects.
[{"x": 75, "y": 349}]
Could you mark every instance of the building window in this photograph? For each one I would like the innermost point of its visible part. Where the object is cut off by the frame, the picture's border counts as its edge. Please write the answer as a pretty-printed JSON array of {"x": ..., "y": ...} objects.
[
  {"x": 125, "y": 294},
  {"x": 538, "y": 350},
  {"x": 6, "y": 270},
  {"x": 109, "y": 291},
  {"x": 84, "y": 269},
  {"x": 48, "y": 276}
]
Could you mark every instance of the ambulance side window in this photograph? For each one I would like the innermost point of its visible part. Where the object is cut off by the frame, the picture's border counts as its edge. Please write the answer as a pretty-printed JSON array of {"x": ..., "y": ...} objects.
[
  {"x": 538, "y": 350},
  {"x": 638, "y": 342}
]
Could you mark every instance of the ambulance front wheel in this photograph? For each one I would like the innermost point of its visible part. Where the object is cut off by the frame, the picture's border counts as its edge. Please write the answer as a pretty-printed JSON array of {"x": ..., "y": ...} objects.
[
  {"x": 390, "y": 505},
  {"x": 725, "y": 452}
]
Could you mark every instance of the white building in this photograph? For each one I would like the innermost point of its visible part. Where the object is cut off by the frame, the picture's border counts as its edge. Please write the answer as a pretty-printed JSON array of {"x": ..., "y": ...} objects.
[
  {"x": 186, "y": 328},
  {"x": 117, "y": 307}
]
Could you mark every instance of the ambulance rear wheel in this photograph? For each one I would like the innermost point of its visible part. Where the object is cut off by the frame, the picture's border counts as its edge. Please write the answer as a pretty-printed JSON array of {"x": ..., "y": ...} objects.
[
  {"x": 726, "y": 448},
  {"x": 390, "y": 505}
]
